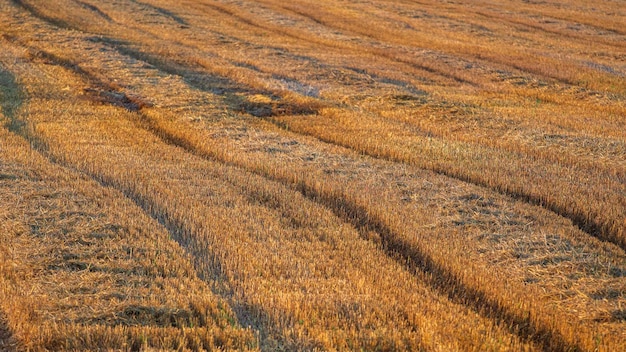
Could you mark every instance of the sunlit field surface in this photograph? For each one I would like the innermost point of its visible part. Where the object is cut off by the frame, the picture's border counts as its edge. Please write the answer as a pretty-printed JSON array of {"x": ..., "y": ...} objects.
[{"x": 376, "y": 175}]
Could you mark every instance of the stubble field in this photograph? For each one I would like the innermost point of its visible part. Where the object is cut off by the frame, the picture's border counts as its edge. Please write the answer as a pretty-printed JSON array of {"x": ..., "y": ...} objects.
[{"x": 313, "y": 175}]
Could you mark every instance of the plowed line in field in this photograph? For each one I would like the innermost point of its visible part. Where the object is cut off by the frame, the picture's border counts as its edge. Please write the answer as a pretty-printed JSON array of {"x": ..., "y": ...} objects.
[
  {"x": 585, "y": 223},
  {"x": 20, "y": 128},
  {"x": 33, "y": 10},
  {"x": 563, "y": 17},
  {"x": 580, "y": 39},
  {"x": 12, "y": 99},
  {"x": 491, "y": 17},
  {"x": 10, "y": 103},
  {"x": 180, "y": 233},
  {"x": 95, "y": 10},
  {"x": 427, "y": 269},
  {"x": 358, "y": 217},
  {"x": 580, "y": 219},
  {"x": 381, "y": 53},
  {"x": 438, "y": 278},
  {"x": 312, "y": 39},
  {"x": 163, "y": 12},
  {"x": 538, "y": 11},
  {"x": 177, "y": 230},
  {"x": 421, "y": 264}
]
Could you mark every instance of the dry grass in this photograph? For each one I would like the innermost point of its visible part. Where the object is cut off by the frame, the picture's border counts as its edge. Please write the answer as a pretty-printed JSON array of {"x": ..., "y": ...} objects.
[
  {"x": 83, "y": 267},
  {"x": 364, "y": 175}
]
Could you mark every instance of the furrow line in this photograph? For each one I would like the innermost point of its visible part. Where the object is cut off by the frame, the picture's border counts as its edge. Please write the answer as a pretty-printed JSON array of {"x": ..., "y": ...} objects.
[
  {"x": 164, "y": 12},
  {"x": 581, "y": 39},
  {"x": 421, "y": 264},
  {"x": 339, "y": 45},
  {"x": 585, "y": 222},
  {"x": 349, "y": 211},
  {"x": 507, "y": 17},
  {"x": 33, "y": 10},
  {"x": 246, "y": 312},
  {"x": 418, "y": 262},
  {"x": 382, "y": 53},
  {"x": 385, "y": 53},
  {"x": 177, "y": 230},
  {"x": 94, "y": 9},
  {"x": 438, "y": 276}
]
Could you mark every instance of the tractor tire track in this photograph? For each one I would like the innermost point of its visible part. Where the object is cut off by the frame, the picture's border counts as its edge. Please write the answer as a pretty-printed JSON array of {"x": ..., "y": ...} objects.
[
  {"x": 578, "y": 38},
  {"x": 539, "y": 11},
  {"x": 95, "y": 9},
  {"x": 177, "y": 230},
  {"x": 102, "y": 92},
  {"x": 383, "y": 53},
  {"x": 581, "y": 218},
  {"x": 12, "y": 98},
  {"x": 337, "y": 46},
  {"x": 247, "y": 314},
  {"x": 441, "y": 279},
  {"x": 38, "y": 14},
  {"x": 359, "y": 218},
  {"x": 421, "y": 264},
  {"x": 164, "y": 12}
]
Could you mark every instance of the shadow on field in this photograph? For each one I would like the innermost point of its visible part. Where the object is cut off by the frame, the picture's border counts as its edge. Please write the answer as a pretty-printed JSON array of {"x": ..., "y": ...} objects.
[
  {"x": 10, "y": 100},
  {"x": 163, "y": 12},
  {"x": 7, "y": 341},
  {"x": 237, "y": 96},
  {"x": 438, "y": 277},
  {"x": 252, "y": 316}
]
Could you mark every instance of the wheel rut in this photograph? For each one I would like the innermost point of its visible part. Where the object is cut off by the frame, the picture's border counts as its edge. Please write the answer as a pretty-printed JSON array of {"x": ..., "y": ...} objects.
[
  {"x": 433, "y": 273},
  {"x": 94, "y": 9},
  {"x": 336, "y": 46},
  {"x": 177, "y": 230},
  {"x": 437, "y": 276},
  {"x": 586, "y": 223},
  {"x": 425, "y": 268},
  {"x": 441, "y": 279},
  {"x": 164, "y": 12},
  {"x": 580, "y": 218}
]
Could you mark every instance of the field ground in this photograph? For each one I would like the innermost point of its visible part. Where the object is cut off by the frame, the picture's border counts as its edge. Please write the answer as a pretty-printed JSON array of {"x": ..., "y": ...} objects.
[{"x": 313, "y": 175}]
